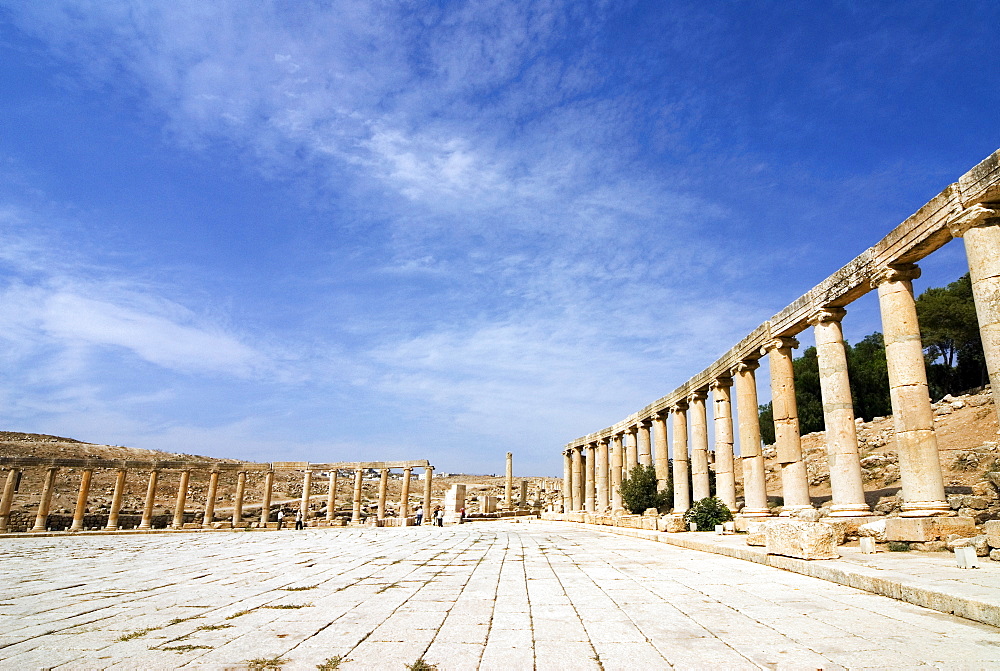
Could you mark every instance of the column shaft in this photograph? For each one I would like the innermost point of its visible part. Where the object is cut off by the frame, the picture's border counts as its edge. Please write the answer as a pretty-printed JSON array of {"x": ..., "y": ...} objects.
[
  {"x": 383, "y": 484},
  {"x": 846, "y": 483},
  {"x": 682, "y": 492},
  {"x": 8, "y": 499},
  {"x": 567, "y": 497},
  {"x": 754, "y": 484},
  {"x": 509, "y": 483},
  {"x": 916, "y": 442},
  {"x": 643, "y": 449},
  {"x": 589, "y": 477},
  {"x": 794, "y": 480},
  {"x": 241, "y": 485},
  {"x": 617, "y": 465},
  {"x": 631, "y": 449},
  {"x": 45, "y": 500},
  {"x": 979, "y": 227},
  {"x": 331, "y": 496},
  {"x": 306, "y": 495},
  {"x": 147, "y": 510},
  {"x": 602, "y": 476},
  {"x": 81, "y": 499},
  {"x": 725, "y": 478},
  {"x": 213, "y": 488},
  {"x": 265, "y": 506},
  {"x": 356, "y": 513},
  {"x": 182, "y": 490},
  {"x": 428, "y": 478},
  {"x": 404, "y": 497},
  {"x": 577, "y": 491},
  {"x": 699, "y": 446},
  {"x": 662, "y": 461}
]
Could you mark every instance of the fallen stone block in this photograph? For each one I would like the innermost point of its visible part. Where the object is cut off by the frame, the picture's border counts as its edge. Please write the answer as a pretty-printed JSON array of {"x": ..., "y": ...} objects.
[
  {"x": 672, "y": 523},
  {"x": 804, "y": 540},
  {"x": 756, "y": 535},
  {"x": 992, "y": 531},
  {"x": 924, "y": 529},
  {"x": 874, "y": 530},
  {"x": 995, "y": 555}
]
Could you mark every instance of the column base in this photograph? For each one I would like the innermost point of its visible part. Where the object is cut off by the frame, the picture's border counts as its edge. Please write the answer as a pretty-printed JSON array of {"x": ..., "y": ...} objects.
[
  {"x": 927, "y": 509},
  {"x": 114, "y": 528},
  {"x": 787, "y": 511},
  {"x": 755, "y": 512},
  {"x": 851, "y": 510}
]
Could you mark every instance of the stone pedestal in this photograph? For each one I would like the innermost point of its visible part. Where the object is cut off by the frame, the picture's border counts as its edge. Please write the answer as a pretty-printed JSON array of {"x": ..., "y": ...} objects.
[
  {"x": 672, "y": 523},
  {"x": 454, "y": 502},
  {"x": 804, "y": 540}
]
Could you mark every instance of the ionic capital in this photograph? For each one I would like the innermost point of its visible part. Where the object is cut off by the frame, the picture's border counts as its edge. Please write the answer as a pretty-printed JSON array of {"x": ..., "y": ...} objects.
[
  {"x": 745, "y": 366},
  {"x": 697, "y": 395},
  {"x": 634, "y": 429},
  {"x": 781, "y": 342},
  {"x": 721, "y": 383},
  {"x": 646, "y": 422},
  {"x": 826, "y": 315},
  {"x": 900, "y": 272},
  {"x": 972, "y": 217},
  {"x": 679, "y": 406}
]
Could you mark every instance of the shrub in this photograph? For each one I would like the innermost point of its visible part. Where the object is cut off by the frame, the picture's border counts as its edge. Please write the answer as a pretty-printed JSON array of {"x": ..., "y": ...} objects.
[
  {"x": 708, "y": 512},
  {"x": 638, "y": 490}
]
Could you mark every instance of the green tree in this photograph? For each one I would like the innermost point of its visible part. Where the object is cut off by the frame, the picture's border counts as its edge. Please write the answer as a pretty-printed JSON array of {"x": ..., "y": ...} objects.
[
  {"x": 949, "y": 331},
  {"x": 869, "y": 375},
  {"x": 807, "y": 393},
  {"x": 639, "y": 492},
  {"x": 765, "y": 414}
]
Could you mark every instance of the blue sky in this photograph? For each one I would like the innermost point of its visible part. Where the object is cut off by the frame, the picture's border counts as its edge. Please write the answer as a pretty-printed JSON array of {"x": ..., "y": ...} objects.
[{"x": 344, "y": 230}]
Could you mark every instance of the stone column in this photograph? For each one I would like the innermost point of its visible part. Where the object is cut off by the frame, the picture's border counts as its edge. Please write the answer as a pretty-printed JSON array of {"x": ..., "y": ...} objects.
[
  {"x": 699, "y": 445},
  {"x": 567, "y": 487},
  {"x": 147, "y": 510},
  {"x": 754, "y": 484},
  {"x": 81, "y": 499},
  {"x": 182, "y": 490},
  {"x": 794, "y": 481},
  {"x": 331, "y": 496},
  {"x": 241, "y": 485},
  {"x": 631, "y": 449},
  {"x": 8, "y": 499},
  {"x": 265, "y": 506},
  {"x": 404, "y": 497},
  {"x": 725, "y": 479},
  {"x": 356, "y": 514},
  {"x": 602, "y": 476},
  {"x": 509, "y": 483},
  {"x": 682, "y": 492},
  {"x": 617, "y": 454},
  {"x": 589, "y": 478},
  {"x": 42, "y": 517},
  {"x": 213, "y": 488},
  {"x": 644, "y": 452},
  {"x": 912, "y": 418},
  {"x": 846, "y": 484},
  {"x": 428, "y": 478},
  {"x": 383, "y": 484},
  {"x": 306, "y": 495},
  {"x": 661, "y": 463},
  {"x": 577, "y": 492},
  {"x": 979, "y": 227}
]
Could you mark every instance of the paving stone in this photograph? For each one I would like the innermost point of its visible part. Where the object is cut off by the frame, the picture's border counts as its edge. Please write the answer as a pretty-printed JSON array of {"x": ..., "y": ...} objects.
[{"x": 488, "y": 595}]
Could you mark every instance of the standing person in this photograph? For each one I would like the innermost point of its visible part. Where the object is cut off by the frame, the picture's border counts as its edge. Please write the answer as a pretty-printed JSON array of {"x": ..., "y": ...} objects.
[
  {"x": 298, "y": 520},
  {"x": 439, "y": 516},
  {"x": 419, "y": 512},
  {"x": 281, "y": 516},
  {"x": 461, "y": 515}
]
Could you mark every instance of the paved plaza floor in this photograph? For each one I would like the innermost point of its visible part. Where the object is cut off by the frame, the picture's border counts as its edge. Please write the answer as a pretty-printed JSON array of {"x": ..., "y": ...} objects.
[{"x": 491, "y": 595}]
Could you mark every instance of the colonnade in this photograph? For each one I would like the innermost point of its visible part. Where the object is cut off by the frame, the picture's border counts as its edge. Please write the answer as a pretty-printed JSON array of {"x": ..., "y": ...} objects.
[
  {"x": 123, "y": 468},
  {"x": 968, "y": 209}
]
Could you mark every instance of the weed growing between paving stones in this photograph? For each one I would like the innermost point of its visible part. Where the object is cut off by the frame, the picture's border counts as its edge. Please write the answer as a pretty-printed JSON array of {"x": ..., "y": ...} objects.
[
  {"x": 213, "y": 627},
  {"x": 421, "y": 665},
  {"x": 331, "y": 664},
  {"x": 261, "y": 663},
  {"x": 136, "y": 634},
  {"x": 287, "y": 606},
  {"x": 178, "y": 620},
  {"x": 898, "y": 546},
  {"x": 183, "y": 648},
  {"x": 299, "y": 589},
  {"x": 239, "y": 613}
]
